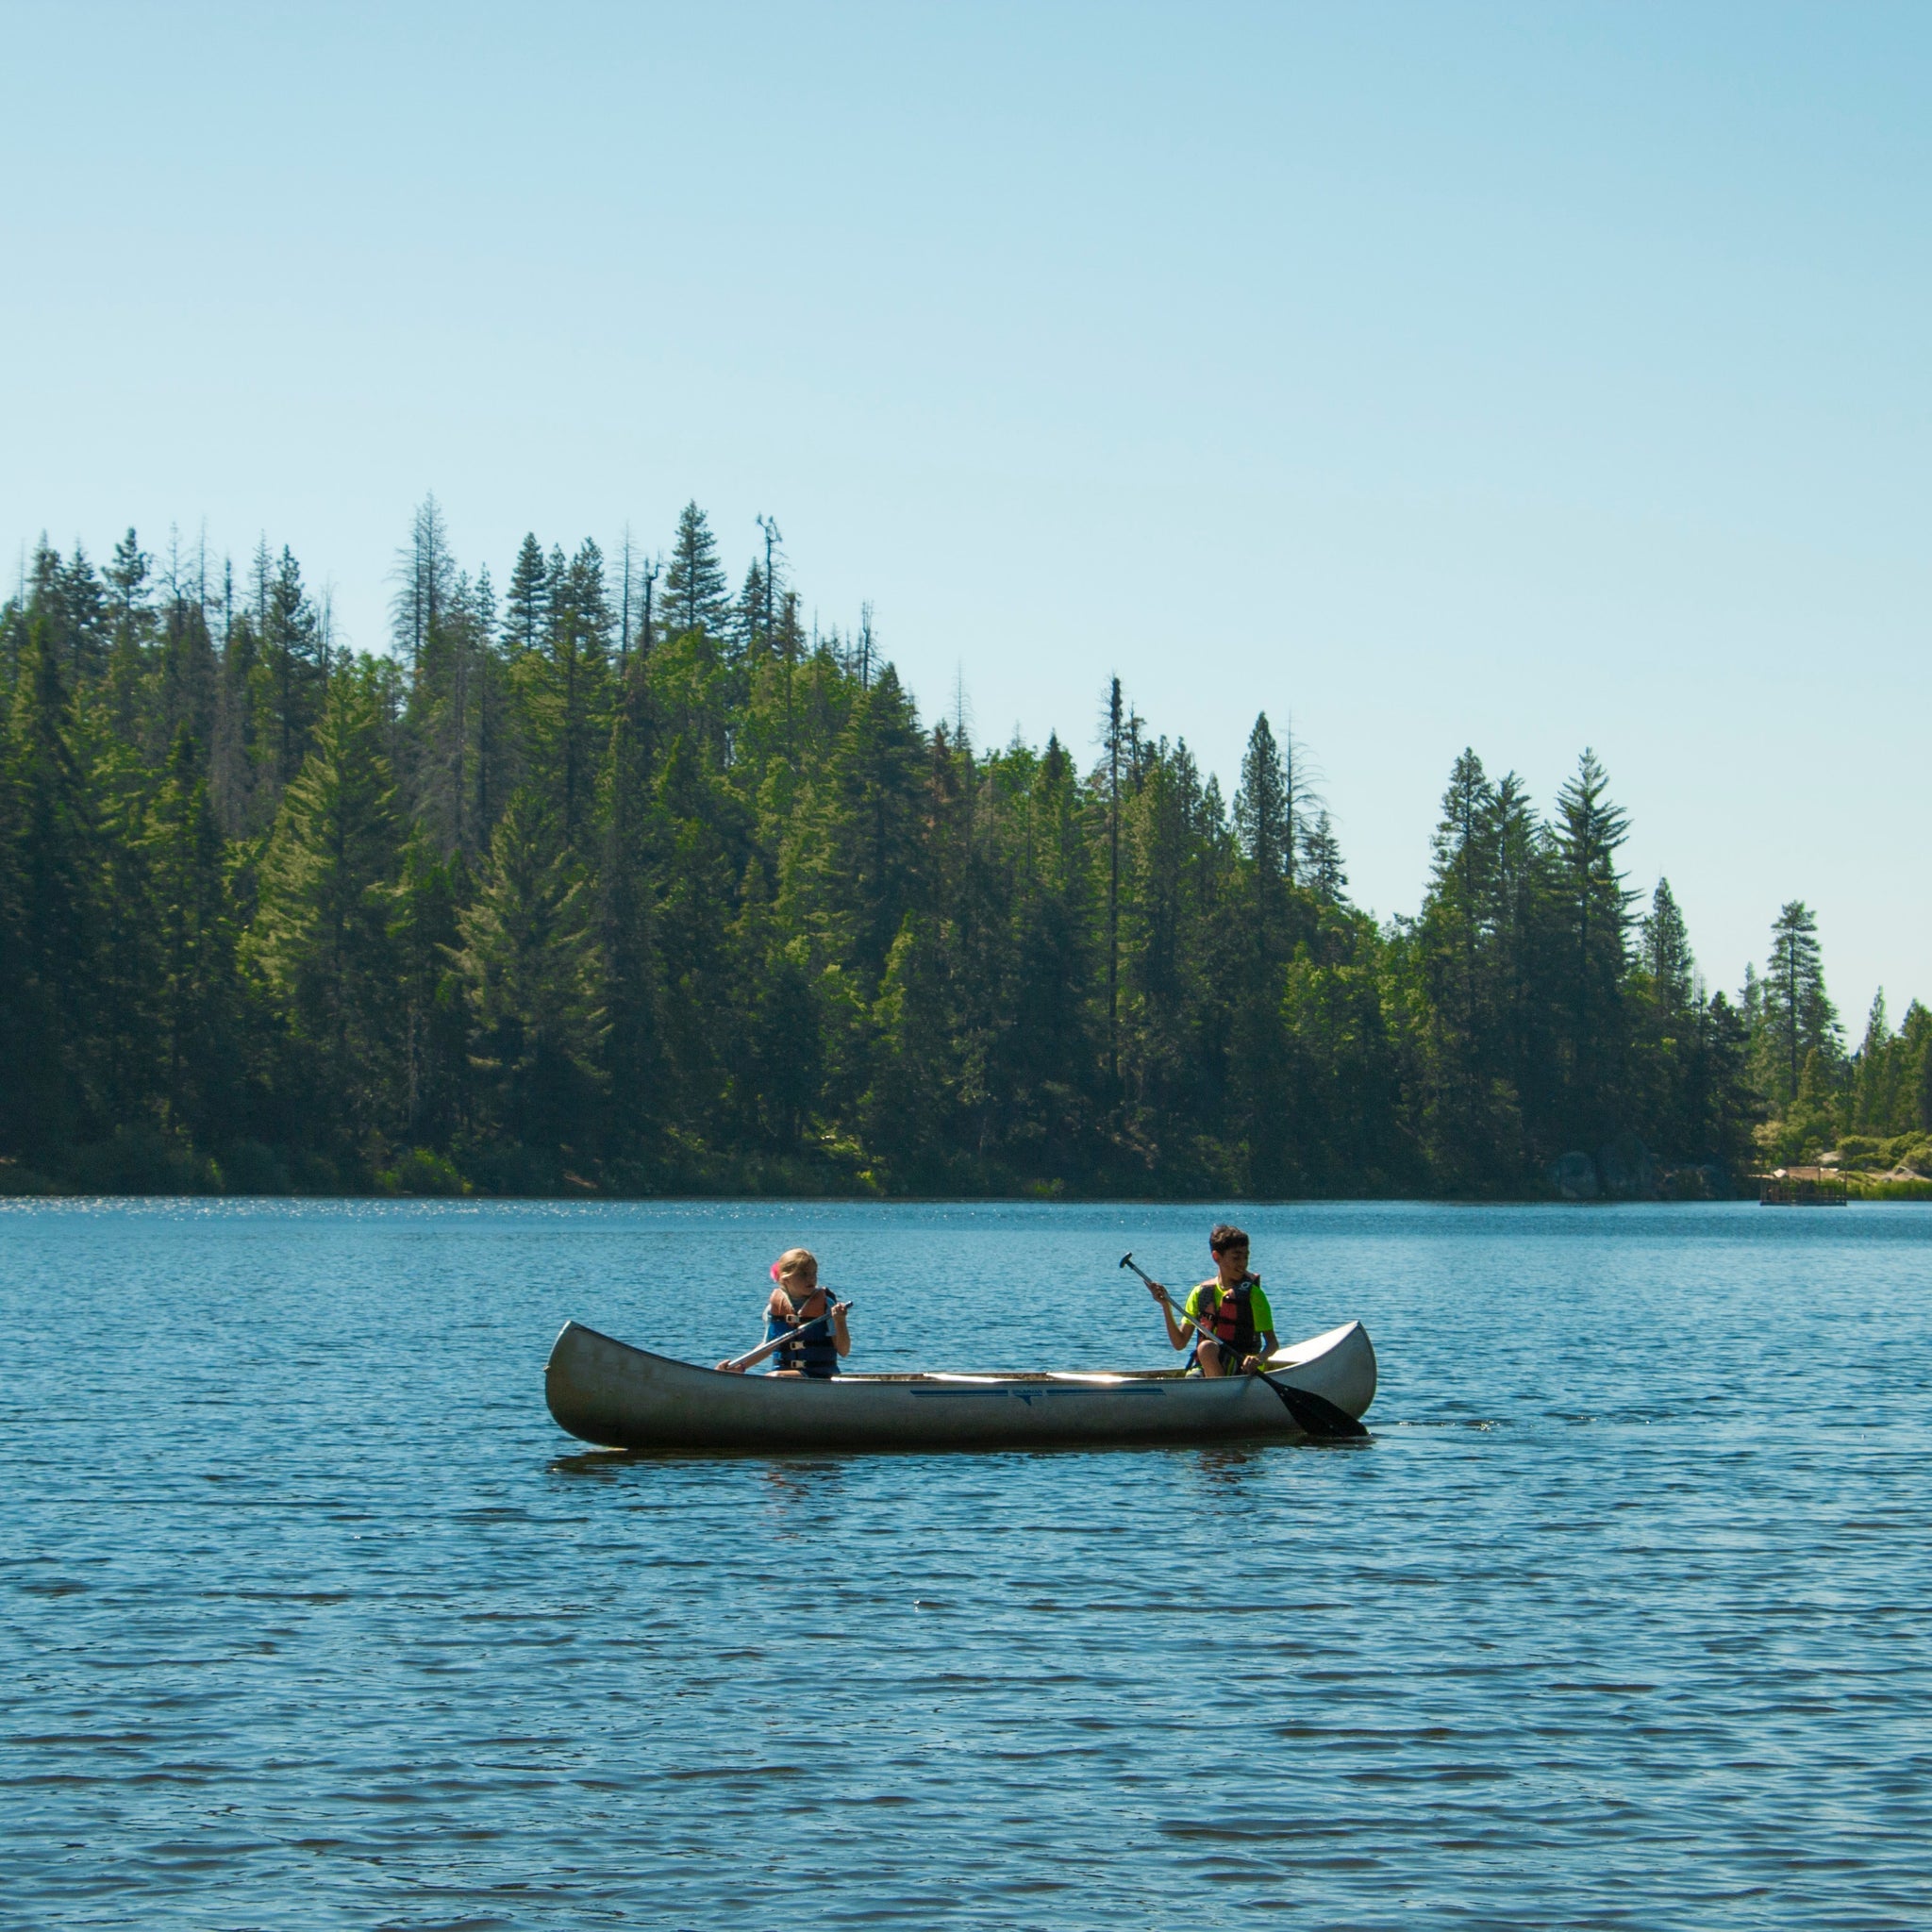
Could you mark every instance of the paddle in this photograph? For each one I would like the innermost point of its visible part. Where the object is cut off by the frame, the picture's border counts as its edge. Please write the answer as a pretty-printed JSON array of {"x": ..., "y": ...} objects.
[
  {"x": 778, "y": 1341},
  {"x": 1317, "y": 1415}
]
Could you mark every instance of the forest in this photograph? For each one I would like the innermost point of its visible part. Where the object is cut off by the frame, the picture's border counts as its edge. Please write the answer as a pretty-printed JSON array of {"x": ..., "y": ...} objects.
[{"x": 623, "y": 882}]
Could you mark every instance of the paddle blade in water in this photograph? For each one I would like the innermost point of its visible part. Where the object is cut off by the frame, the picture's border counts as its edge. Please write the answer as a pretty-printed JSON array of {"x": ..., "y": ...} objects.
[{"x": 1317, "y": 1415}]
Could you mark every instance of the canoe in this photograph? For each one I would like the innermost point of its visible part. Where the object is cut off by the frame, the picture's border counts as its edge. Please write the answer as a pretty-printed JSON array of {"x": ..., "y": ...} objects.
[{"x": 621, "y": 1397}]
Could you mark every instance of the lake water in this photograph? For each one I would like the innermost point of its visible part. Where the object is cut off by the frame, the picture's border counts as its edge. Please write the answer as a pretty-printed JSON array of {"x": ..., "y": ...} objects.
[{"x": 311, "y": 1616}]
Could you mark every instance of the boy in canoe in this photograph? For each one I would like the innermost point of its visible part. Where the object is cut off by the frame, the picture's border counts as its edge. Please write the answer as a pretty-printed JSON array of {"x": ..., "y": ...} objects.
[
  {"x": 797, "y": 1300},
  {"x": 1231, "y": 1305}
]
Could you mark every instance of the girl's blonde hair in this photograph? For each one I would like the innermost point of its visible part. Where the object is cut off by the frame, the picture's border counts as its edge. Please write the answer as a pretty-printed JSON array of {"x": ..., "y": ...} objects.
[{"x": 795, "y": 1261}]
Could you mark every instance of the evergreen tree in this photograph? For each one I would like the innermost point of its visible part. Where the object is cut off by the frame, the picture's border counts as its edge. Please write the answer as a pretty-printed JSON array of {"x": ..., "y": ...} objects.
[
  {"x": 83, "y": 607},
  {"x": 295, "y": 661},
  {"x": 633, "y": 1056},
  {"x": 696, "y": 593},
  {"x": 170, "y": 686},
  {"x": 122, "y": 1023},
  {"x": 526, "y": 604},
  {"x": 1262, "y": 820},
  {"x": 432, "y": 1021},
  {"x": 425, "y": 580},
  {"x": 130, "y": 624},
  {"x": 567, "y": 691},
  {"x": 700, "y": 835},
  {"x": 1320, "y": 859},
  {"x": 50, "y": 968},
  {"x": 1666, "y": 951},
  {"x": 1798, "y": 1018},
  {"x": 751, "y": 627},
  {"x": 906, "y": 1114},
  {"x": 1050, "y": 1051},
  {"x": 1472, "y": 1122},
  {"x": 1589, "y": 970},
  {"x": 530, "y": 971},
  {"x": 320, "y": 940},
  {"x": 198, "y": 998},
  {"x": 862, "y": 859},
  {"x": 1874, "y": 1081}
]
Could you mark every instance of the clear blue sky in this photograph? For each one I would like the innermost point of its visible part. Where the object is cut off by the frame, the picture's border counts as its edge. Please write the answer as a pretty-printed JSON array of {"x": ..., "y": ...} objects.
[{"x": 1525, "y": 377}]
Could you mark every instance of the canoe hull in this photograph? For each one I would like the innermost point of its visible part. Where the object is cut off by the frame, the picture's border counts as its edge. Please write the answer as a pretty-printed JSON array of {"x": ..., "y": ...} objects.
[{"x": 606, "y": 1392}]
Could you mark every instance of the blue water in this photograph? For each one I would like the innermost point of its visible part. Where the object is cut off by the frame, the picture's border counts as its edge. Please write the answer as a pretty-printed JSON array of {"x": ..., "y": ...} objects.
[{"x": 309, "y": 1616}]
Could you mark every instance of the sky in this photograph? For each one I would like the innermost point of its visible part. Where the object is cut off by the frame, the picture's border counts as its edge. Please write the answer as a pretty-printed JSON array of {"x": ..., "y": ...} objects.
[{"x": 1521, "y": 377}]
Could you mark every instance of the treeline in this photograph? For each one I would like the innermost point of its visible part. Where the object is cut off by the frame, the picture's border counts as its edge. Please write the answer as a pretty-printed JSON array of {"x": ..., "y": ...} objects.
[
  {"x": 1874, "y": 1105},
  {"x": 626, "y": 882}
]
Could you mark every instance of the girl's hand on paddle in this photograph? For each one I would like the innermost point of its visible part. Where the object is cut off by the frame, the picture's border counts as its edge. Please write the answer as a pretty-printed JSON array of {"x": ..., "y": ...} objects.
[
  {"x": 731, "y": 1369},
  {"x": 1157, "y": 1292}
]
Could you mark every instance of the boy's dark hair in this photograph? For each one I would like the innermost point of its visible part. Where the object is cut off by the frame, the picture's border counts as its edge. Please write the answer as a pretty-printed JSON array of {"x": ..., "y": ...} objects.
[{"x": 1225, "y": 1236}]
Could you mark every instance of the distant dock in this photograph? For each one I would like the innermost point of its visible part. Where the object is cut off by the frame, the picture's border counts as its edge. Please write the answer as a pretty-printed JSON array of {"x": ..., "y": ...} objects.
[{"x": 1801, "y": 1186}]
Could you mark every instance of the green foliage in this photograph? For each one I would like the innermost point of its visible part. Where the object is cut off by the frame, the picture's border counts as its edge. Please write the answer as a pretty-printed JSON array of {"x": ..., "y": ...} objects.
[
  {"x": 531, "y": 907},
  {"x": 320, "y": 946},
  {"x": 697, "y": 593},
  {"x": 1796, "y": 1017},
  {"x": 530, "y": 974}
]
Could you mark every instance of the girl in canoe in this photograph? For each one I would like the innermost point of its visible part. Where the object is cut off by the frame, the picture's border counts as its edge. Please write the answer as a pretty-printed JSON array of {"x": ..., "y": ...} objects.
[
  {"x": 796, "y": 1301},
  {"x": 1230, "y": 1303}
]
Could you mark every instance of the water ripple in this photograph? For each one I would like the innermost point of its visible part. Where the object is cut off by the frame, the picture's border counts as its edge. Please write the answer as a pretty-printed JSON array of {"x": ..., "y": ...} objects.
[{"x": 311, "y": 1617}]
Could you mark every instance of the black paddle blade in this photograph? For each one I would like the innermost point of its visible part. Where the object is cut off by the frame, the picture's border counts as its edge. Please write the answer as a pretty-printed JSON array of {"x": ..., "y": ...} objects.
[{"x": 1318, "y": 1416}]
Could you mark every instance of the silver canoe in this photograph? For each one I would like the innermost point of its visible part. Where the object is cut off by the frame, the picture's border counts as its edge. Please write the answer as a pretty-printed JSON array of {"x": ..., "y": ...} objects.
[{"x": 627, "y": 1398}]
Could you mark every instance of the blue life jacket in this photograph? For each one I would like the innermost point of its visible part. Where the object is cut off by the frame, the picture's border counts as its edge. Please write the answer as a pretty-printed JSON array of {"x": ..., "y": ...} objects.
[{"x": 814, "y": 1353}]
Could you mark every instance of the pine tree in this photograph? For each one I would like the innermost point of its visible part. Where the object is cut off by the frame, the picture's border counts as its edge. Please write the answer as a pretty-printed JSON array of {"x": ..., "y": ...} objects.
[
  {"x": 130, "y": 626},
  {"x": 178, "y": 686},
  {"x": 425, "y": 580},
  {"x": 1874, "y": 1080},
  {"x": 433, "y": 1031},
  {"x": 1320, "y": 860},
  {"x": 1114, "y": 747},
  {"x": 906, "y": 1114},
  {"x": 696, "y": 885},
  {"x": 49, "y": 869},
  {"x": 84, "y": 613},
  {"x": 1666, "y": 950},
  {"x": 320, "y": 942},
  {"x": 1169, "y": 954},
  {"x": 122, "y": 1022},
  {"x": 696, "y": 594},
  {"x": 1590, "y": 970},
  {"x": 1051, "y": 1049},
  {"x": 198, "y": 995},
  {"x": 294, "y": 660},
  {"x": 1798, "y": 1018},
  {"x": 567, "y": 693},
  {"x": 866, "y": 830},
  {"x": 526, "y": 603},
  {"x": 530, "y": 970},
  {"x": 633, "y": 1057},
  {"x": 1472, "y": 1119}
]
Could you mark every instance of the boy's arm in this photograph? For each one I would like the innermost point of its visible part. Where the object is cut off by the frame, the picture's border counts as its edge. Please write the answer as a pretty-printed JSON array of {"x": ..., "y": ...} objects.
[{"x": 1178, "y": 1333}]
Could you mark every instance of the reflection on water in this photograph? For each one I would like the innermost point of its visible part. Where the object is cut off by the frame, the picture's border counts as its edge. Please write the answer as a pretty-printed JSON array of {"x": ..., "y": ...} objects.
[{"x": 311, "y": 1617}]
